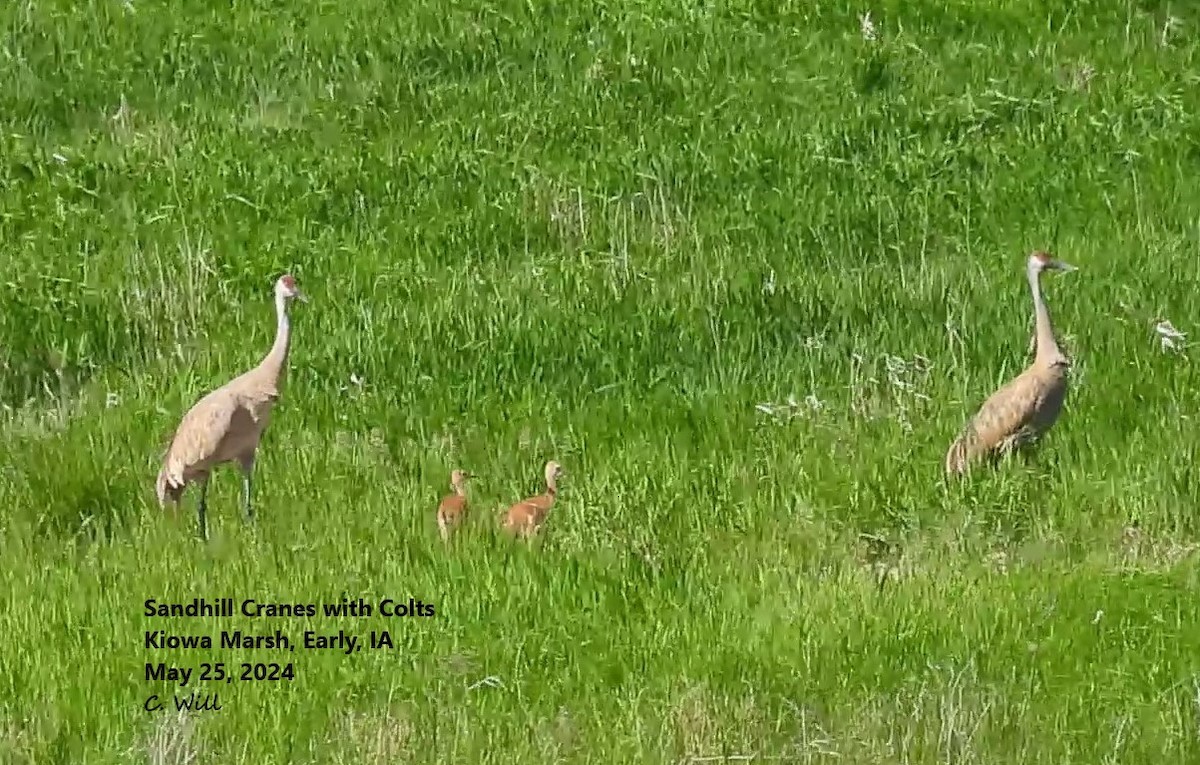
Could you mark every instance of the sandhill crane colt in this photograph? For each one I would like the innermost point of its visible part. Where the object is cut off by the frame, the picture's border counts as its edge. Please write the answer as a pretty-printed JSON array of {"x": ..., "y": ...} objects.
[
  {"x": 1026, "y": 407},
  {"x": 453, "y": 508},
  {"x": 227, "y": 424},
  {"x": 526, "y": 517}
]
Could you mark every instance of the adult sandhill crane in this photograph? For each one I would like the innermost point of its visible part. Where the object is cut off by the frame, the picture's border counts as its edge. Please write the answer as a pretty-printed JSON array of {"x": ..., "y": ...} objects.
[
  {"x": 227, "y": 424},
  {"x": 453, "y": 508},
  {"x": 1021, "y": 411},
  {"x": 526, "y": 517}
]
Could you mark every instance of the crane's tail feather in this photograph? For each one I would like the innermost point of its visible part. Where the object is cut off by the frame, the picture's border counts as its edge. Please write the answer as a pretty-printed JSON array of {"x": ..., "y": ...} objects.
[
  {"x": 167, "y": 488},
  {"x": 957, "y": 456}
]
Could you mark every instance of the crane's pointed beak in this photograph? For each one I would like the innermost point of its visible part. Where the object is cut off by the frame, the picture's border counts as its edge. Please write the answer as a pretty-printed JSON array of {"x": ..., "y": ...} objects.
[
  {"x": 1063, "y": 266},
  {"x": 301, "y": 296}
]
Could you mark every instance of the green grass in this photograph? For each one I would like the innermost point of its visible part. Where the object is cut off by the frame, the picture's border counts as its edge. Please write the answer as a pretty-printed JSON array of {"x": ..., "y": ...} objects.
[{"x": 602, "y": 233}]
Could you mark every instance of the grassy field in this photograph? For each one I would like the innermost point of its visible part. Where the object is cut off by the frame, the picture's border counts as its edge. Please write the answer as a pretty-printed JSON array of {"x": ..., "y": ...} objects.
[{"x": 604, "y": 234}]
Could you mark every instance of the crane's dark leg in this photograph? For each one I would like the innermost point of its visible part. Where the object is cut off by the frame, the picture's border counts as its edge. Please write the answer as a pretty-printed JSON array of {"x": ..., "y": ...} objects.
[
  {"x": 202, "y": 508},
  {"x": 247, "y": 484}
]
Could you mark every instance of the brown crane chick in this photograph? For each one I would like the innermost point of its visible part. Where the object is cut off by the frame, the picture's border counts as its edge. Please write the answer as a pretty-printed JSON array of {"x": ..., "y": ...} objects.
[
  {"x": 526, "y": 517},
  {"x": 227, "y": 424},
  {"x": 1026, "y": 407},
  {"x": 453, "y": 509}
]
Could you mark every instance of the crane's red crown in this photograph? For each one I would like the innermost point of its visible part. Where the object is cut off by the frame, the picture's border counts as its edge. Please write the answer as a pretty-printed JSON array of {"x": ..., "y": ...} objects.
[
  {"x": 1042, "y": 256},
  {"x": 289, "y": 281}
]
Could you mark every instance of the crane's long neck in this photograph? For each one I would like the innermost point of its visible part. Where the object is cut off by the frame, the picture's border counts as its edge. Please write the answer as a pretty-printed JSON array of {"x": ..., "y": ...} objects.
[
  {"x": 1047, "y": 346},
  {"x": 274, "y": 364}
]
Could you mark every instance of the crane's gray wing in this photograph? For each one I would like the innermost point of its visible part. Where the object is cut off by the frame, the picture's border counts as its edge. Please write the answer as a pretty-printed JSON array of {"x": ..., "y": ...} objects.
[
  {"x": 1007, "y": 414},
  {"x": 199, "y": 435}
]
